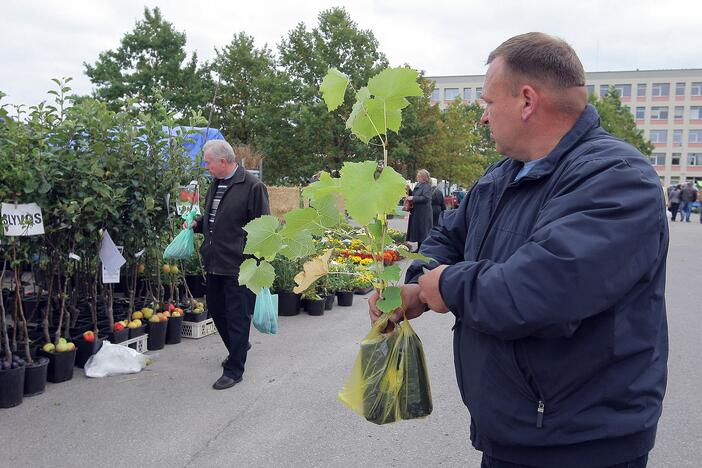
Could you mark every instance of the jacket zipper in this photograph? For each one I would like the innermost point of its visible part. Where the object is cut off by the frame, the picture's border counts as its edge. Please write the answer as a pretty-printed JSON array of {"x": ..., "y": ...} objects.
[{"x": 537, "y": 393}]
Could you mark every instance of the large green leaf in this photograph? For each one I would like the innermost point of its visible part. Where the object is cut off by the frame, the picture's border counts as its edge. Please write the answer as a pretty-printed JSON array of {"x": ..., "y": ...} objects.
[
  {"x": 395, "y": 83},
  {"x": 329, "y": 215},
  {"x": 391, "y": 300},
  {"x": 256, "y": 276},
  {"x": 364, "y": 196},
  {"x": 333, "y": 88},
  {"x": 296, "y": 244},
  {"x": 325, "y": 186},
  {"x": 391, "y": 273},
  {"x": 302, "y": 219},
  {"x": 262, "y": 239}
]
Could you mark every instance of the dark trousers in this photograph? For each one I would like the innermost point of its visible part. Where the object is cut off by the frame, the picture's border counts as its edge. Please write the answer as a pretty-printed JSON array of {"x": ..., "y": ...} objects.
[
  {"x": 674, "y": 211},
  {"x": 231, "y": 306},
  {"x": 489, "y": 462}
]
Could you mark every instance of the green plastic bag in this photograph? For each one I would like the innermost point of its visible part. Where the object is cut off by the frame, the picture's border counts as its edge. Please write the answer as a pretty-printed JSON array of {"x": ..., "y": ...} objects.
[
  {"x": 389, "y": 381},
  {"x": 265, "y": 317},
  {"x": 183, "y": 246}
]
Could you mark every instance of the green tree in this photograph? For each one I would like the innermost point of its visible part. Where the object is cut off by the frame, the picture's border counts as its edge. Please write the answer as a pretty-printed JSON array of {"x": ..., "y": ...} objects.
[
  {"x": 308, "y": 138},
  {"x": 618, "y": 120},
  {"x": 151, "y": 57},
  {"x": 251, "y": 90},
  {"x": 459, "y": 152}
]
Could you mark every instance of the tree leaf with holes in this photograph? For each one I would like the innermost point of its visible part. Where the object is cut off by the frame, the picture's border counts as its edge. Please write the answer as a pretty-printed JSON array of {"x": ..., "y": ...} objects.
[
  {"x": 364, "y": 196},
  {"x": 333, "y": 88},
  {"x": 262, "y": 239},
  {"x": 256, "y": 276},
  {"x": 302, "y": 219},
  {"x": 391, "y": 300}
]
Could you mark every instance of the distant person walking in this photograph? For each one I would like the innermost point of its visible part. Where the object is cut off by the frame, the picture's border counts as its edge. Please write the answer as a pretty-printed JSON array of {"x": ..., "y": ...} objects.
[
  {"x": 437, "y": 202},
  {"x": 420, "y": 219},
  {"x": 687, "y": 198},
  {"x": 674, "y": 202}
]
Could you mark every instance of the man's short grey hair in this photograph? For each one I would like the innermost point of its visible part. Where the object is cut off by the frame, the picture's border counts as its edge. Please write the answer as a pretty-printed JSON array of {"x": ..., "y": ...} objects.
[
  {"x": 221, "y": 149},
  {"x": 424, "y": 174}
]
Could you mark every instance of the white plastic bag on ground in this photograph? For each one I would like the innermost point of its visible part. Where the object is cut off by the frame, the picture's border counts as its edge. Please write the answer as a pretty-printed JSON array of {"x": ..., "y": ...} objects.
[{"x": 114, "y": 359}]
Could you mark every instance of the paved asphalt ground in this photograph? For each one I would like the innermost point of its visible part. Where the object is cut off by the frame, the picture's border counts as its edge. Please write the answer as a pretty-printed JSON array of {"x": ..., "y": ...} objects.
[{"x": 285, "y": 412}]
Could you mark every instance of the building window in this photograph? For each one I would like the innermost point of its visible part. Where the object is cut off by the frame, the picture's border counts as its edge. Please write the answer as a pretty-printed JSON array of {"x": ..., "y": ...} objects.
[
  {"x": 436, "y": 94},
  {"x": 658, "y": 136},
  {"x": 640, "y": 113},
  {"x": 676, "y": 159},
  {"x": 660, "y": 89},
  {"x": 641, "y": 89},
  {"x": 478, "y": 93},
  {"x": 624, "y": 89},
  {"x": 659, "y": 113},
  {"x": 694, "y": 136},
  {"x": 694, "y": 159},
  {"x": 679, "y": 89},
  {"x": 679, "y": 111},
  {"x": 677, "y": 137},
  {"x": 590, "y": 89},
  {"x": 695, "y": 112},
  {"x": 658, "y": 159},
  {"x": 696, "y": 89},
  {"x": 467, "y": 94},
  {"x": 450, "y": 94},
  {"x": 603, "y": 89}
]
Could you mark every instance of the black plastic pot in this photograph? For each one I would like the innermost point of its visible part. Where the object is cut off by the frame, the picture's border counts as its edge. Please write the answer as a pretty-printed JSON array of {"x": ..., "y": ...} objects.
[
  {"x": 344, "y": 298},
  {"x": 60, "y": 365},
  {"x": 35, "y": 376},
  {"x": 315, "y": 306},
  {"x": 173, "y": 330},
  {"x": 85, "y": 349},
  {"x": 363, "y": 291},
  {"x": 191, "y": 317},
  {"x": 115, "y": 337},
  {"x": 11, "y": 387},
  {"x": 328, "y": 302},
  {"x": 157, "y": 335},
  {"x": 134, "y": 332},
  {"x": 288, "y": 303}
]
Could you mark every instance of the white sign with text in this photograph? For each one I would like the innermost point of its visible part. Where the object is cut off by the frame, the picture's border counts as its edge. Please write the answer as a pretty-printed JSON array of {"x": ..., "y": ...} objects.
[{"x": 22, "y": 219}]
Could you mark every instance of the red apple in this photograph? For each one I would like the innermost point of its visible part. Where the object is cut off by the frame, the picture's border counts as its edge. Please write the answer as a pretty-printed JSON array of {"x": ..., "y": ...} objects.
[
  {"x": 89, "y": 336},
  {"x": 119, "y": 326}
]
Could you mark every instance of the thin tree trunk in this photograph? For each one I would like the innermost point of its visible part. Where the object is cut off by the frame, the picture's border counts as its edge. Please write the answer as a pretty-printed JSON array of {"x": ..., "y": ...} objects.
[{"x": 5, "y": 338}]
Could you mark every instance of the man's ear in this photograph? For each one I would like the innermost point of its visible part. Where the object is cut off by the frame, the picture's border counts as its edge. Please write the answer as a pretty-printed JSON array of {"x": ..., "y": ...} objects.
[{"x": 530, "y": 101}]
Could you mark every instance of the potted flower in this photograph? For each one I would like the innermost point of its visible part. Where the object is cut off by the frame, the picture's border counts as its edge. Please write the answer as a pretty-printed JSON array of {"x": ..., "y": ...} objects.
[
  {"x": 288, "y": 301},
  {"x": 341, "y": 278},
  {"x": 312, "y": 301}
]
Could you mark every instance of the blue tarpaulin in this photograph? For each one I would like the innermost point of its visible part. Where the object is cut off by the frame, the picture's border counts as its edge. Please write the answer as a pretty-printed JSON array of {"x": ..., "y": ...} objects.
[{"x": 195, "y": 137}]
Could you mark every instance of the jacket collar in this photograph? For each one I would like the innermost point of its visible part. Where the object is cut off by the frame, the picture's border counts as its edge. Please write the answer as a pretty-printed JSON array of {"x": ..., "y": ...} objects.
[{"x": 588, "y": 120}]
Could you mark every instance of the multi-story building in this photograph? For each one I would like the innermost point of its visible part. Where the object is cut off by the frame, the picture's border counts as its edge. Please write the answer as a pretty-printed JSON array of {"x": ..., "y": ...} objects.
[{"x": 666, "y": 104}]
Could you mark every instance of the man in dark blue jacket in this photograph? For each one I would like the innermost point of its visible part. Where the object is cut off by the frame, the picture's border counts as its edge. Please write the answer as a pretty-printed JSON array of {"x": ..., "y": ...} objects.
[{"x": 554, "y": 266}]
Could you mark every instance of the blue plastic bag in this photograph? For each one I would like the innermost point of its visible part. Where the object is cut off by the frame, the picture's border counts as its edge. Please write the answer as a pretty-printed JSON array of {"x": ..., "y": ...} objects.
[
  {"x": 183, "y": 246},
  {"x": 265, "y": 317}
]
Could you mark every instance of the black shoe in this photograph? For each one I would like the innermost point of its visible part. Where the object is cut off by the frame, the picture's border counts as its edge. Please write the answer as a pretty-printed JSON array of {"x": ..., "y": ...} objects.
[
  {"x": 224, "y": 362},
  {"x": 225, "y": 382}
]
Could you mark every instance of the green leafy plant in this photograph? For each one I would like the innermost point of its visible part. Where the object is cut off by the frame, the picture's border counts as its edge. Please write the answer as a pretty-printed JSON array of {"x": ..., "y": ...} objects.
[{"x": 370, "y": 191}]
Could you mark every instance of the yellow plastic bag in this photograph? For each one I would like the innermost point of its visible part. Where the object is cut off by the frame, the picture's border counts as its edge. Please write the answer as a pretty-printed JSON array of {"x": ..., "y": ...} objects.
[{"x": 389, "y": 380}]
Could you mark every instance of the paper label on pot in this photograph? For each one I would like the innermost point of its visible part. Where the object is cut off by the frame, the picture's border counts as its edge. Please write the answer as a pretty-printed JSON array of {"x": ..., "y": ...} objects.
[{"x": 22, "y": 219}]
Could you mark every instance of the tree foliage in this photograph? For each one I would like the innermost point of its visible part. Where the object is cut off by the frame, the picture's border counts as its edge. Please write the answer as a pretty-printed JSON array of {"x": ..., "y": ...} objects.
[
  {"x": 618, "y": 120},
  {"x": 151, "y": 57}
]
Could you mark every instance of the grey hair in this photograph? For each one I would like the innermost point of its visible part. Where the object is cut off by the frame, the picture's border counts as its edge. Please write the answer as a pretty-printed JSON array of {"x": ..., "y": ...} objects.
[
  {"x": 424, "y": 174},
  {"x": 220, "y": 148}
]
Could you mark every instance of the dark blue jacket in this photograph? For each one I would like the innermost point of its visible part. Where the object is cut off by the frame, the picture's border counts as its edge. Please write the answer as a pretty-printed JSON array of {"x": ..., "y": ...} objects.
[{"x": 557, "y": 283}]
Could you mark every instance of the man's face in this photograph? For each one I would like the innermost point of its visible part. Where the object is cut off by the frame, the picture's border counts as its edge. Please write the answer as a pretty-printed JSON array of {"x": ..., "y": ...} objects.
[
  {"x": 216, "y": 165},
  {"x": 502, "y": 110}
]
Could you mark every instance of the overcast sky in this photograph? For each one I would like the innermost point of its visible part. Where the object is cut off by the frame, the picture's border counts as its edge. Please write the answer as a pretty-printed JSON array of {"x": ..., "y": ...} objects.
[{"x": 43, "y": 39}]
